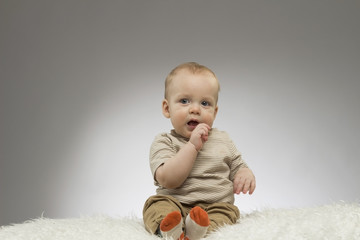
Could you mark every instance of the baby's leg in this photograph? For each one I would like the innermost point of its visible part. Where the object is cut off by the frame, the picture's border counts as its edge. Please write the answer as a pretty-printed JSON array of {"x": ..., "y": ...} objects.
[
  {"x": 158, "y": 207},
  {"x": 221, "y": 214},
  {"x": 171, "y": 226},
  {"x": 197, "y": 223}
]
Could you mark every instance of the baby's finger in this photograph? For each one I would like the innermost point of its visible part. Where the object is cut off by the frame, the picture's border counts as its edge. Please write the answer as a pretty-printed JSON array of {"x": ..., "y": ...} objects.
[
  {"x": 246, "y": 186},
  {"x": 252, "y": 187},
  {"x": 238, "y": 186},
  {"x": 204, "y": 126},
  {"x": 235, "y": 189},
  {"x": 204, "y": 137}
]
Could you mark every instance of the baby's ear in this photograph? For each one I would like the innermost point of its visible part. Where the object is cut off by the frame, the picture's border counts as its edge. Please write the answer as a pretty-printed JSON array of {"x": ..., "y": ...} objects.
[
  {"x": 216, "y": 111},
  {"x": 165, "y": 108}
]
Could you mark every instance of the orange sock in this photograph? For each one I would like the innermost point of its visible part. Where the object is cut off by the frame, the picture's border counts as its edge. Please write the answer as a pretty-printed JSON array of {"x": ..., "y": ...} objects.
[
  {"x": 171, "y": 225},
  {"x": 196, "y": 223}
]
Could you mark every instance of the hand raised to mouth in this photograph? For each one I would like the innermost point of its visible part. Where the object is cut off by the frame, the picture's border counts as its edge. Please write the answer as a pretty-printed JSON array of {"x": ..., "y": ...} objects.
[{"x": 199, "y": 135}]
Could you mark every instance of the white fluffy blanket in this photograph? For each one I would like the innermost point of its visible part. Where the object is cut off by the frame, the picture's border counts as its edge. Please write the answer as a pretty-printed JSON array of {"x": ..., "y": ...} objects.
[{"x": 335, "y": 221}]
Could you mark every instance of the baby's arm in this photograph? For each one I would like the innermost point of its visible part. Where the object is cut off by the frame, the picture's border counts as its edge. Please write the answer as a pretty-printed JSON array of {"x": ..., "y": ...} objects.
[
  {"x": 175, "y": 170},
  {"x": 244, "y": 181}
]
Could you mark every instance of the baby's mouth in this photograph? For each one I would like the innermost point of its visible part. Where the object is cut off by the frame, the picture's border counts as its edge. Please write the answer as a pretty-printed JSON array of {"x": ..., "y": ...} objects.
[{"x": 193, "y": 123}]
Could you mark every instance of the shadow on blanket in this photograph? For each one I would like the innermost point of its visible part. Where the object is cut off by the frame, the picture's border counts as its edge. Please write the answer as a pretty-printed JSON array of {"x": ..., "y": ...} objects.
[{"x": 334, "y": 221}]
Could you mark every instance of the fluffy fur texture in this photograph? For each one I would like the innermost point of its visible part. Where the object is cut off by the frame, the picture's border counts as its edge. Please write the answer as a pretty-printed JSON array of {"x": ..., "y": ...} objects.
[{"x": 334, "y": 221}]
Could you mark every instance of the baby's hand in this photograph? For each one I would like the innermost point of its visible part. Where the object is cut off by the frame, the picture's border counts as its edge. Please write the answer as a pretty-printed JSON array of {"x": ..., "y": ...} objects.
[
  {"x": 199, "y": 135},
  {"x": 244, "y": 181}
]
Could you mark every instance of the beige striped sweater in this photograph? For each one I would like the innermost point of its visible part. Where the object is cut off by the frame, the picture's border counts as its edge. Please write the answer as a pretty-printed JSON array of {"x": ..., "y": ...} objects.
[{"x": 210, "y": 180}]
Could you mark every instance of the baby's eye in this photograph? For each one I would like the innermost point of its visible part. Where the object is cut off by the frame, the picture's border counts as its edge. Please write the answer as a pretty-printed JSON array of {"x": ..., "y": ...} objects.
[
  {"x": 184, "y": 101},
  {"x": 205, "y": 103}
]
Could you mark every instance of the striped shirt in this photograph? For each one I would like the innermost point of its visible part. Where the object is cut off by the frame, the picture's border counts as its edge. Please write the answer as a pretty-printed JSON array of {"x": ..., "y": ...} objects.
[{"x": 210, "y": 179}]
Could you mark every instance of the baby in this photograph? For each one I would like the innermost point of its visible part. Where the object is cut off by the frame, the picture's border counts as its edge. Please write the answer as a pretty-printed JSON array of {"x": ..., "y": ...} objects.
[{"x": 196, "y": 168}]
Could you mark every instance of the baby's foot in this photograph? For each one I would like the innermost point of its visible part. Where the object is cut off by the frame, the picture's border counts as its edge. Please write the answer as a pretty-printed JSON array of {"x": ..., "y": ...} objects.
[
  {"x": 196, "y": 223},
  {"x": 171, "y": 226}
]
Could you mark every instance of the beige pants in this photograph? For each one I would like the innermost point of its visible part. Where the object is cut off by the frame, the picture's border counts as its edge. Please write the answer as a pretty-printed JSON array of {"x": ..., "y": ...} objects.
[{"x": 158, "y": 206}]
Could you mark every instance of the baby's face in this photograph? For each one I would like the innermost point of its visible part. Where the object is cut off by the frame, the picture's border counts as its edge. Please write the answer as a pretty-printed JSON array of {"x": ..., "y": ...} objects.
[{"x": 192, "y": 99}]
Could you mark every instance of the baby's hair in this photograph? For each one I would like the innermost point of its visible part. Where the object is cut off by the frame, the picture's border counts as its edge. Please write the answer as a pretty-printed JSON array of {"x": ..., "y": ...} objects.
[{"x": 193, "y": 67}]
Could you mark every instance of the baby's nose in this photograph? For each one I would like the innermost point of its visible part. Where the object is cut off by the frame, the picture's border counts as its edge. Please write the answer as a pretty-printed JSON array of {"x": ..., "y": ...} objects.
[{"x": 194, "y": 108}]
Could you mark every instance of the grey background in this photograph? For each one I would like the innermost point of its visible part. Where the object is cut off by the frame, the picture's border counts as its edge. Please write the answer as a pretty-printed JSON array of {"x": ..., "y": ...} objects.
[{"x": 82, "y": 84}]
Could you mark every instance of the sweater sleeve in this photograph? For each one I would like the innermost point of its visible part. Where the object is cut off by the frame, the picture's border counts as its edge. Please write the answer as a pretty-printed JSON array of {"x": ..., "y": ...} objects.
[
  {"x": 161, "y": 150},
  {"x": 237, "y": 160}
]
